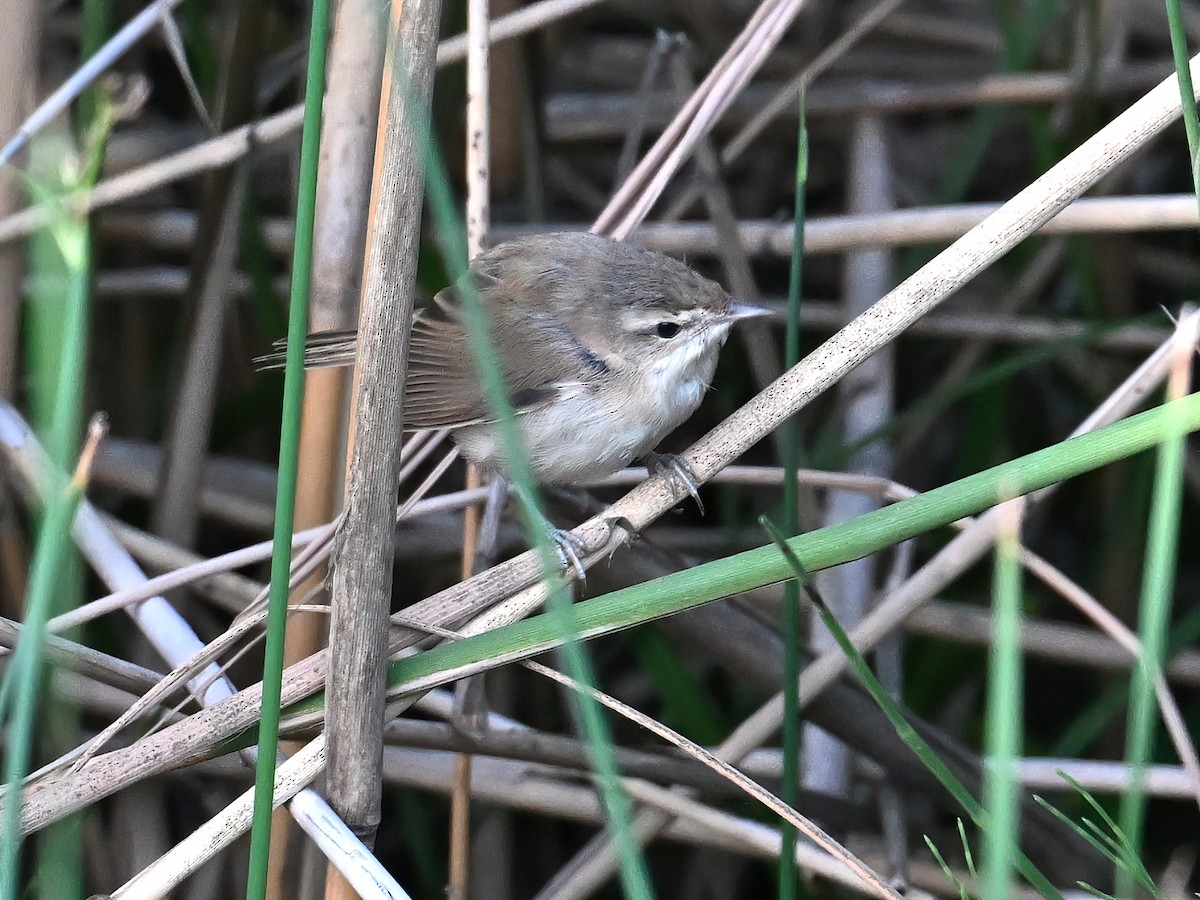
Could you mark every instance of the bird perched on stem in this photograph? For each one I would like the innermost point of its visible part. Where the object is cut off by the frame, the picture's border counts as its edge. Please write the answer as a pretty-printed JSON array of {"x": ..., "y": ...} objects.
[{"x": 604, "y": 348}]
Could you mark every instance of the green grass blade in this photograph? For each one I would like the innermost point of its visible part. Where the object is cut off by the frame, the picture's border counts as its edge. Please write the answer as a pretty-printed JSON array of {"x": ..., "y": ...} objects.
[
  {"x": 1158, "y": 583},
  {"x": 289, "y": 456},
  {"x": 1187, "y": 93},
  {"x": 59, "y": 355},
  {"x": 23, "y": 678},
  {"x": 982, "y": 818},
  {"x": 635, "y": 876},
  {"x": 968, "y": 856},
  {"x": 946, "y": 870},
  {"x": 1004, "y": 716},
  {"x": 59, "y": 858},
  {"x": 1112, "y": 848}
]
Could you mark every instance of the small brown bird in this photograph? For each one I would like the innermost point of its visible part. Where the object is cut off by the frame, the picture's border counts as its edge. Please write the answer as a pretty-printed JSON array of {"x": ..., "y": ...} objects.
[{"x": 604, "y": 347}]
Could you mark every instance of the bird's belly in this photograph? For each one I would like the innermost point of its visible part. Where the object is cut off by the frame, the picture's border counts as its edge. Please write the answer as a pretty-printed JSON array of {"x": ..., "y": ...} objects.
[{"x": 586, "y": 437}]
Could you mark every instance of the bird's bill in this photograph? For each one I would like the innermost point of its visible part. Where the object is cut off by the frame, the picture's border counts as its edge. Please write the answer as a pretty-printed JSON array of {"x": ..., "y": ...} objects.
[{"x": 740, "y": 309}]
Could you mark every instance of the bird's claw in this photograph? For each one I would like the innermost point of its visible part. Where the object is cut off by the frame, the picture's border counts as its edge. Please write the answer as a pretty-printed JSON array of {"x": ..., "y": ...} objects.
[
  {"x": 677, "y": 471},
  {"x": 569, "y": 547}
]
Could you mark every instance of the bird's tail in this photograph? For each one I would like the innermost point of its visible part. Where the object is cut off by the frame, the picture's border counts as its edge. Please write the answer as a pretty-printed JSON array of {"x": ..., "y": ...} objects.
[{"x": 321, "y": 350}]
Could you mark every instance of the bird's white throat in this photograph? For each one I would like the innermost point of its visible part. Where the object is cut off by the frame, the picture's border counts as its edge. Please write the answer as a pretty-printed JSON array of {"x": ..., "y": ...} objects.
[{"x": 681, "y": 375}]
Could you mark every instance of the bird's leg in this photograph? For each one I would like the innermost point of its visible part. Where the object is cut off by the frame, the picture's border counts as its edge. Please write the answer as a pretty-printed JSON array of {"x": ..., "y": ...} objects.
[
  {"x": 569, "y": 547},
  {"x": 676, "y": 470},
  {"x": 489, "y": 524}
]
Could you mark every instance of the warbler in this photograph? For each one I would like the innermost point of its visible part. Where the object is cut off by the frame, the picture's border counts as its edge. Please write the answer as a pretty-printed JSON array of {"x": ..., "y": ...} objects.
[{"x": 604, "y": 348}]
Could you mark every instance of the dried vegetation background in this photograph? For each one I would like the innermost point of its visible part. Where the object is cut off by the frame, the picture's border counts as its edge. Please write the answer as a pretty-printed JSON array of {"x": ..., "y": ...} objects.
[{"x": 932, "y": 115}]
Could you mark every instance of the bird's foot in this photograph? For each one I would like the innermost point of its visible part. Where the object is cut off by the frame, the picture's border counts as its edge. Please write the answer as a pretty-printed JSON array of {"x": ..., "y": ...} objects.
[
  {"x": 677, "y": 472},
  {"x": 570, "y": 549}
]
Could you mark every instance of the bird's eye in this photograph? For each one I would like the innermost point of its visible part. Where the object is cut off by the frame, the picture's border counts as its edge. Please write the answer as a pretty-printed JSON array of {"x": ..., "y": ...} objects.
[{"x": 666, "y": 330}]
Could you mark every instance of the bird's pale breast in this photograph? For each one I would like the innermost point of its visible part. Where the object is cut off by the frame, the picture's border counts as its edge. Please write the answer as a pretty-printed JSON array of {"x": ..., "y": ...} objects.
[{"x": 592, "y": 430}]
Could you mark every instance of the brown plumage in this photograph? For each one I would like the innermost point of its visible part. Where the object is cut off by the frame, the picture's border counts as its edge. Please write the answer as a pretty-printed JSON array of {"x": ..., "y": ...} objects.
[{"x": 604, "y": 348}]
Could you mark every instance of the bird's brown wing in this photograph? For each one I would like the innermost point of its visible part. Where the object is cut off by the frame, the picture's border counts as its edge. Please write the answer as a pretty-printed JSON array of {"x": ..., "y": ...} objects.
[{"x": 541, "y": 358}]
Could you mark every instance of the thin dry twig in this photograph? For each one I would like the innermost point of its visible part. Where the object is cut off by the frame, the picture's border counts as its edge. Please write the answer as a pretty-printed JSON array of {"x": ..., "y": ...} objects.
[
  {"x": 478, "y": 222},
  {"x": 166, "y": 630},
  {"x": 53, "y": 106},
  {"x": 234, "y": 145},
  {"x": 633, "y": 200}
]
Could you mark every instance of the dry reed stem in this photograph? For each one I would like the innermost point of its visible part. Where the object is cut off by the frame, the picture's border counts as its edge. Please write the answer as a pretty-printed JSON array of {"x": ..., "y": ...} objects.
[
  {"x": 214, "y": 257},
  {"x": 166, "y": 630},
  {"x": 362, "y": 572},
  {"x": 528, "y": 19},
  {"x": 865, "y": 404},
  {"x": 1073, "y": 645},
  {"x": 790, "y": 93},
  {"x": 174, "y": 515},
  {"x": 506, "y": 739},
  {"x": 632, "y": 201},
  {"x": 347, "y": 145},
  {"x": 1103, "y": 777},
  {"x": 239, "y": 143},
  {"x": 18, "y": 86},
  {"x": 906, "y": 227},
  {"x": 771, "y": 239},
  {"x": 478, "y": 222},
  {"x": 73, "y": 657},
  {"x": 346, "y": 150},
  {"x": 574, "y": 118}
]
